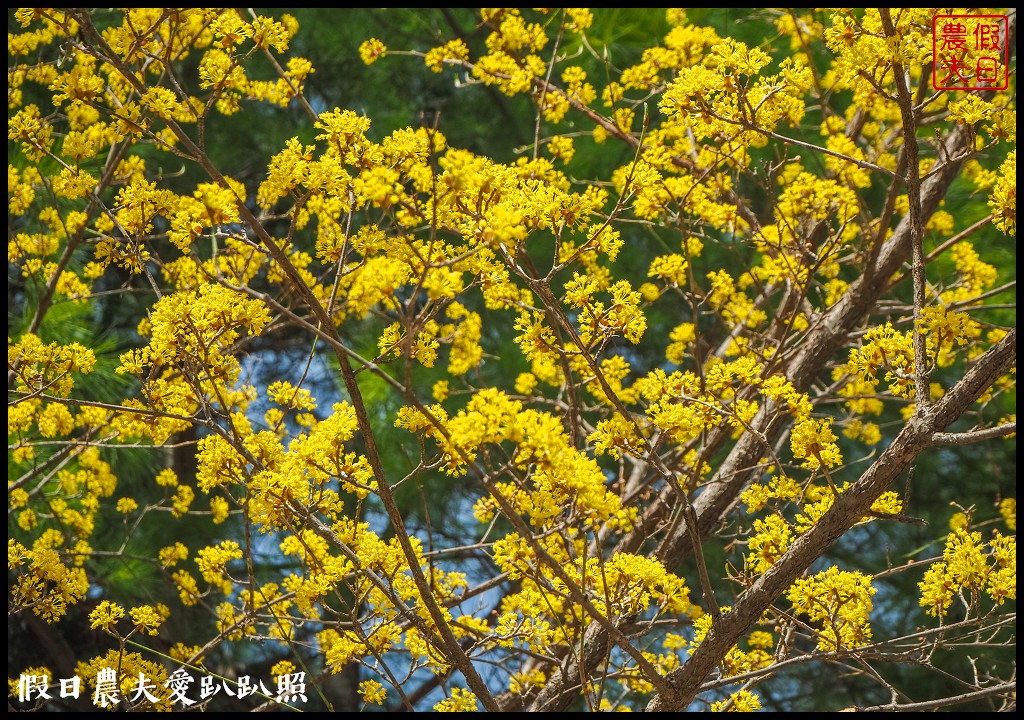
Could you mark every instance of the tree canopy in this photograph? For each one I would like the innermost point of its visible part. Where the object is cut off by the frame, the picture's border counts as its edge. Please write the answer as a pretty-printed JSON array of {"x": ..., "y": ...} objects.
[{"x": 512, "y": 359}]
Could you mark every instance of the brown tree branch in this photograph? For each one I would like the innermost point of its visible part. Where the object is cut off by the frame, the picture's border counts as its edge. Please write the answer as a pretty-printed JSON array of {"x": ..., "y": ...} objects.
[{"x": 849, "y": 507}]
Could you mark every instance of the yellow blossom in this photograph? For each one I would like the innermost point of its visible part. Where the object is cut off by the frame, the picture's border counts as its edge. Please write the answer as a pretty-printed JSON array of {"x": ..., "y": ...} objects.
[
  {"x": 841, "y": 602},
  {"x": 106, "y": 615},
  {"x": 372, "y": 692},
  {"x": 815, "y": 443},
  {"x": 461, "y": 700},
  {"x": 372, "y": 50}
]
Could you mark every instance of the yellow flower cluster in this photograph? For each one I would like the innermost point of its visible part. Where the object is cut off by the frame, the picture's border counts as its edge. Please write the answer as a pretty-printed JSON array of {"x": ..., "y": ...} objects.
[
  {"x": 370, "y": 51},
  {"x": 372, "y": 692},
  {"x": 48, "y": 368},
  {"x": 814, "y": 441},
  {"x": 773, "y": 534},
  {"x": 739, "y": 701},
  {"x": 44, "y": 581},
  {"x": 451, "y": 51},
  {"x": 461, "y": 700},
  {"x": 841, "y": 602},
  {"x": 737, "y": 661},
  {"x": 974, "y": 275},
  {"x": 1004, "y": 196},
  {"x": 945, "y": 330},
  {"x": 889, "y": 350},
  {"x": 1008, "y": 509},
  {"x": 967, "y": 568},
  {"x": 49, "y": 574}
]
